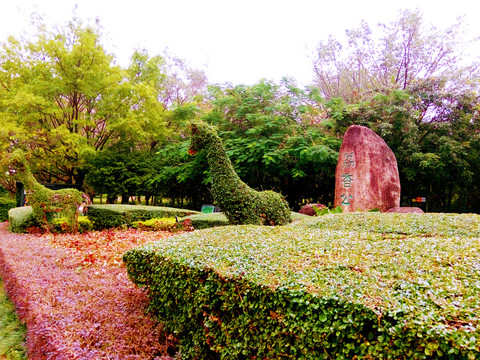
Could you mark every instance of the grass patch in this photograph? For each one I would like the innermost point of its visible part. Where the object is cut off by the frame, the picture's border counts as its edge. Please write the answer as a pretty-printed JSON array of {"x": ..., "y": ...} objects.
[{"x": 12, "y": 332}]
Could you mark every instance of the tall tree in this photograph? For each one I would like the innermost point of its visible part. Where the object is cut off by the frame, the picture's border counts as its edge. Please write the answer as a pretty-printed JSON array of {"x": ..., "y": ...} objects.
[
  {"x": 62, "y": 98},
  {"x": 278, "y": 138},
  {"x": 396, "y": 56}
]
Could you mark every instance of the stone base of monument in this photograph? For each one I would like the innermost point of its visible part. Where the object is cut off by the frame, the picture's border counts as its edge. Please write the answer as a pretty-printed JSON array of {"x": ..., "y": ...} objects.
[{"x": 406, "y": 210}]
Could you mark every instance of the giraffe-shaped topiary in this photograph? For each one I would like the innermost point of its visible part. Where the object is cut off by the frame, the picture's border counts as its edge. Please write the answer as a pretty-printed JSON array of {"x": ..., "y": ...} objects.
[
  {"x": 240, "y": 203},
  {"x": 46, "y": 203}
]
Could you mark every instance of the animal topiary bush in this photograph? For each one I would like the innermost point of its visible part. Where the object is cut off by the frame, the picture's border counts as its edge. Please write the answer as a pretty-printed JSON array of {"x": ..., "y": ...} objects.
[
  {"x": 46, "y": 203},
  {"x": 240, "y": 203}
]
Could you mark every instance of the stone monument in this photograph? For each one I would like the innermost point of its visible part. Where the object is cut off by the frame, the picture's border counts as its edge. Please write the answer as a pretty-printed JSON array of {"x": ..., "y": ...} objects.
[{"x": 366, "y": 176}]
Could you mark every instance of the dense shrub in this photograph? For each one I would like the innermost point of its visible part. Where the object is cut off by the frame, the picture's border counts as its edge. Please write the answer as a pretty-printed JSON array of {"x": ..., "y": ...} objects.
[
  {"x": 5, "y": 205},
  {"x": 60, "y": 225},
  {"x": 205, "y": 221},
  {"x": 113, "y": 216},
  {"x": 167, "y": 224},
  {"x": 320, "y": 290},
  {"x": 21, "y": 218},
  {"x": 240, "y": 203}
]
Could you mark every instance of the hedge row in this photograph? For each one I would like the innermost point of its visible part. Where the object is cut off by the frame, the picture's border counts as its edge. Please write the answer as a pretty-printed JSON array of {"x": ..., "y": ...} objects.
[
  {"x": 112, "y": 216},
  {"x": 20, "y": 219},
  {"x": 205, "y": 221},
  {"x": 409, "y": 290}
]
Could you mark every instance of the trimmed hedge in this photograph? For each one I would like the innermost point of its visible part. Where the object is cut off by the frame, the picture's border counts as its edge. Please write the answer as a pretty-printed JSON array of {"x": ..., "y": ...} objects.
[
  {"x": 112, "y": 216},
  {"x": 166, "y": 224},
  {"x": 60, "y": 225},
  {"x": 5, "y": 205},
  {"x": 205, "y": 221},
  {"x": 320, "y": 290},
  {"x": 298, "y": 217},
  {"x": 21, "y": 218}
]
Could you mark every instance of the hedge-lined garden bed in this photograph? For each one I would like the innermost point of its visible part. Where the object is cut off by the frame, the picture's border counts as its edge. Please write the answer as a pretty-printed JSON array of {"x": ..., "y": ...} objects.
[
  {"x": 112, "y": 216},
  {"x": 365, "y": 286}
]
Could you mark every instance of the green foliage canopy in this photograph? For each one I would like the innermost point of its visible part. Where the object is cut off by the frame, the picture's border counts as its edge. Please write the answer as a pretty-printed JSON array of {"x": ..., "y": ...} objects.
[{"x": 63, "y": 98}]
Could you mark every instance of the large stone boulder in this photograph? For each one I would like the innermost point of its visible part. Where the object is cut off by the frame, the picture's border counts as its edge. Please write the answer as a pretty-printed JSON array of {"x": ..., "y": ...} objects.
[{"x": 366, "y": 176}]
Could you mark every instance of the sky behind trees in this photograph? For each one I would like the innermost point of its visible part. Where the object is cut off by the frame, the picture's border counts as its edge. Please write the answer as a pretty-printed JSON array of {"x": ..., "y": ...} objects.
[{"x": 233, "y": 41}]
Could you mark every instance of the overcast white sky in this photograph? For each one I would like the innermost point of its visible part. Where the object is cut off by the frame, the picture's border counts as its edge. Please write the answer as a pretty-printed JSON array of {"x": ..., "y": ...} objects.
[{"x": 233, "y": 41}]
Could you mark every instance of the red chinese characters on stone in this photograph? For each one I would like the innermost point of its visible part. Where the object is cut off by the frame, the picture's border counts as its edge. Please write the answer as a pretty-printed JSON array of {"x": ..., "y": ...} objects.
[{"x": 367, "y": 174}]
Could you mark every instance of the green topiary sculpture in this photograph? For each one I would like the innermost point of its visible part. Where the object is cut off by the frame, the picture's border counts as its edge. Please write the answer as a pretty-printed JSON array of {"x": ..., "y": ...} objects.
[
  {"x": 240, "y": 203},
  {"x": 46, "y": 203}
]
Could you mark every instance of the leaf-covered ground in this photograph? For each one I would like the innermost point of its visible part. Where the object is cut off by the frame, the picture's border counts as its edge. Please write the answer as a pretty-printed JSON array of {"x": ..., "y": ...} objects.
[{"x": 75, "y": 297}]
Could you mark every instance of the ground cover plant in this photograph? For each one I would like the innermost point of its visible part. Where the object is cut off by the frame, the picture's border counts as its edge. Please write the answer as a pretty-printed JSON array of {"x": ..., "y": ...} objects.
[
  {"x": 341, "y": 286},
  {"x": 74, "y": 296},
  {"x": 12, "y": 332}
]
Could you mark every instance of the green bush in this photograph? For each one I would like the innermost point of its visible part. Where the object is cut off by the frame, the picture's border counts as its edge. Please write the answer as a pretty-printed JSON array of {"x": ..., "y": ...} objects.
[
  {"x": 21, "y": 218},
  {"x": 5, "y": 205},
  {"x": 60, "y": 225},
  {"x": 324, "y": 289},
  {"x": 168, "y": 224},
  {"x": 113, "y": 216},
  {"x": 207, "y": 220}
]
